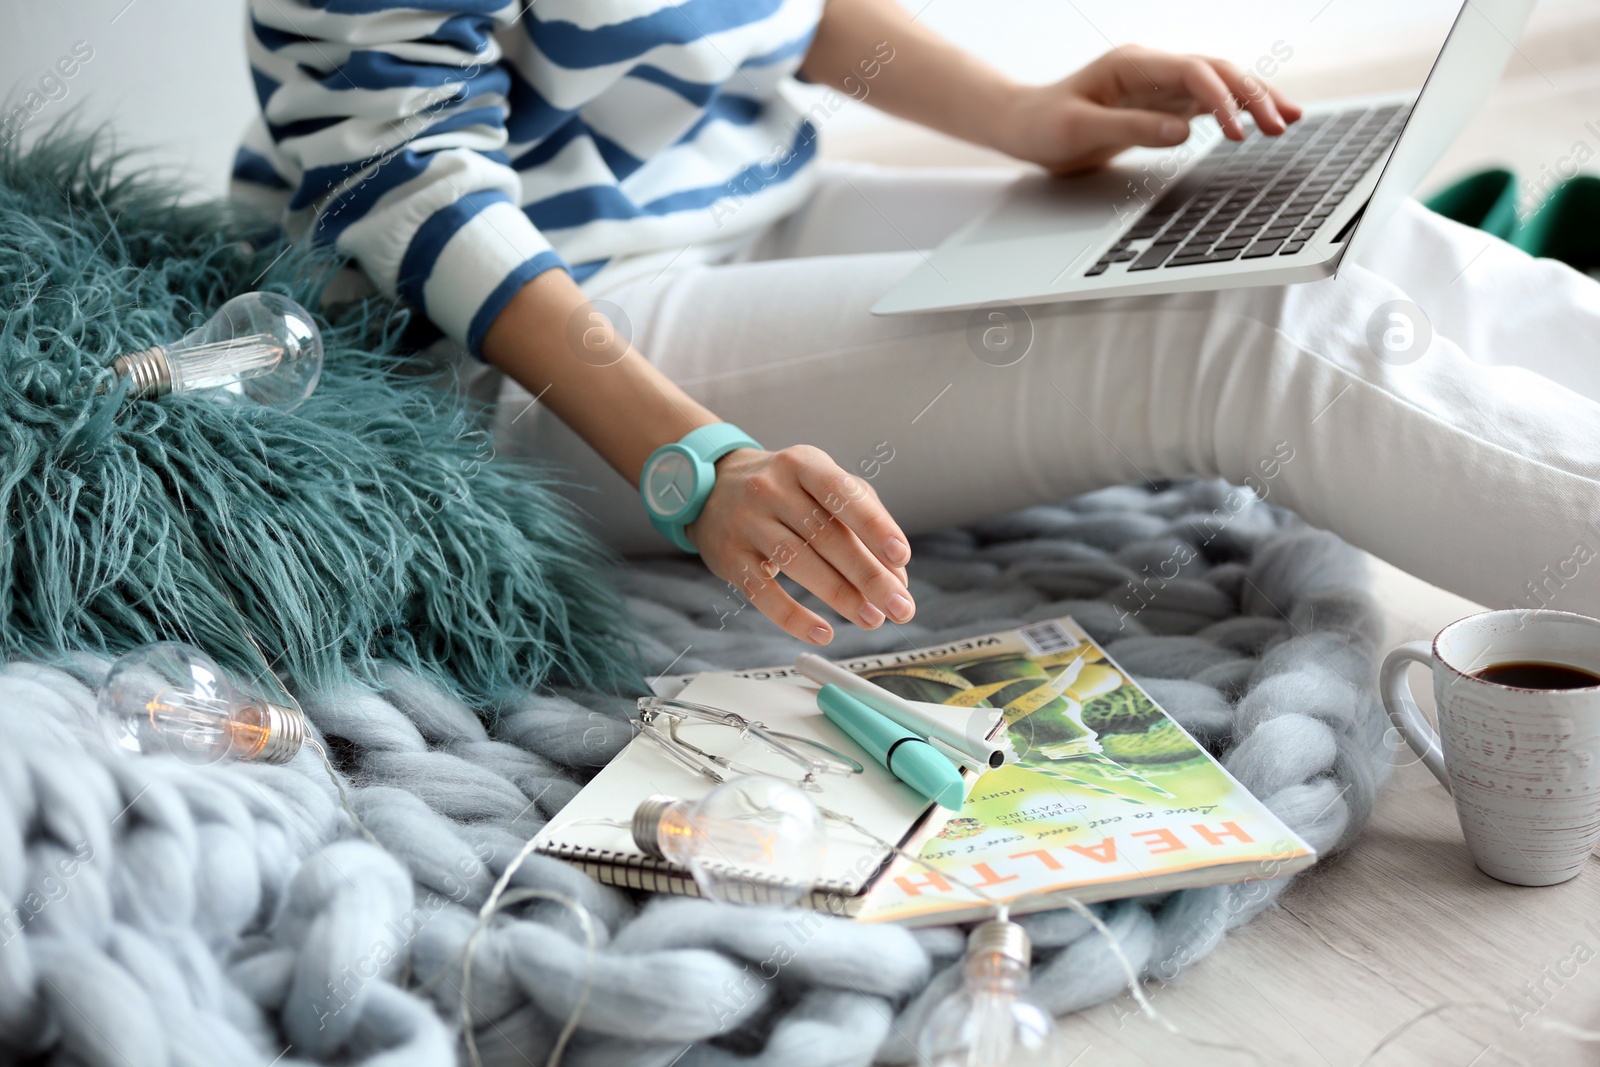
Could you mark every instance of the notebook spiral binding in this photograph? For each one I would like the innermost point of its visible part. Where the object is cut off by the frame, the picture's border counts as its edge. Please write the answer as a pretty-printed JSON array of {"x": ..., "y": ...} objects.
[{"x": 635, "y": 870}]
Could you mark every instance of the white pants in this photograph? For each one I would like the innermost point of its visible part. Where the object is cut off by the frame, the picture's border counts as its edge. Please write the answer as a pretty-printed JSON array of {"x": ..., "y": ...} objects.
[{"x": 1477, "y": 467}]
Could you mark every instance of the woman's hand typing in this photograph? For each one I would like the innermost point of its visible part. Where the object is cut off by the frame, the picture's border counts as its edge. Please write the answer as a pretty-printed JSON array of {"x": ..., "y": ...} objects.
[{"x": 1133, "y": 96}]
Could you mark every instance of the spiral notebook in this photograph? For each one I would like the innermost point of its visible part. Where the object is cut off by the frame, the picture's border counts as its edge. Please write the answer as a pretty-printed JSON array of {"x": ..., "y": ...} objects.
[
  {"x": 591, "y": 831},
  {"x": 1110, "y": 798}
]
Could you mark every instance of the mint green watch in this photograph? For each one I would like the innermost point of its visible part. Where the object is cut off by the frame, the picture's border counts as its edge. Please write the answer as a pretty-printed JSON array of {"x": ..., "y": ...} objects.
[{"x": 678, "y": 478}]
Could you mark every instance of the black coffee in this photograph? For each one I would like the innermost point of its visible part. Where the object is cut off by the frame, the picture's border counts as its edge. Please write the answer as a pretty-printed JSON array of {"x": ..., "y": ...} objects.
[{"x": 1535, "y": 675}]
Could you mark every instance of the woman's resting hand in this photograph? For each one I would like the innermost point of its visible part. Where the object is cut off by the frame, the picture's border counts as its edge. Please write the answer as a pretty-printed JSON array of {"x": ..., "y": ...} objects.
[{"x": 799, "y": 513}]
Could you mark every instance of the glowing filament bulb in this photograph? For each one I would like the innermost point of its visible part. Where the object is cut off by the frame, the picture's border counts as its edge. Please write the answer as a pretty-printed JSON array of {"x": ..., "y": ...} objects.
[
  {"x": 261, "y": 345},
  {"x": 749, "y": 840},
  {"x": 173, "y": 698}
]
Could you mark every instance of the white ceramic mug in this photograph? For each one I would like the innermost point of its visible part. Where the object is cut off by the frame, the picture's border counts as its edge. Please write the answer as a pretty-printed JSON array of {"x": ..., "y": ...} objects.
[{"x": 1522, "y": 764}]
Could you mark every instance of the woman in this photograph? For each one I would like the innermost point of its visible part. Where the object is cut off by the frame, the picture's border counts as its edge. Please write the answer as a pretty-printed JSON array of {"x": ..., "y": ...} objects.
[{"x": 484, "y": 162}]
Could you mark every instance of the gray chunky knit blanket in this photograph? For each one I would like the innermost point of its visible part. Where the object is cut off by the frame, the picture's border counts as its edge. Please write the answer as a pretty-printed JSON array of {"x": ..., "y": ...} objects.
[{"x": 155, "y": 913}]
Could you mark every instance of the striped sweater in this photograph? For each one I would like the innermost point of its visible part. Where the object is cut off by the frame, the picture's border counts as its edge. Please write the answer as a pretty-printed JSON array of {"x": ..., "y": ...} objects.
[{"x": 458, "y": 149}]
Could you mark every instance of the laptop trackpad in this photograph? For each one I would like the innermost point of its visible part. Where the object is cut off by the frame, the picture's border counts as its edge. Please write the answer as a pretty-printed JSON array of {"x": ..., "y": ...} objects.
[
  {"x": 1039, "y": 206},
  {"x": 1040, "y": 237}
]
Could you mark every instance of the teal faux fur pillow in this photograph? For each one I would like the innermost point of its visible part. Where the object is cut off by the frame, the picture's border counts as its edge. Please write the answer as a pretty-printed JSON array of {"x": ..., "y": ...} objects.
[{"x": 372, "y": 523}]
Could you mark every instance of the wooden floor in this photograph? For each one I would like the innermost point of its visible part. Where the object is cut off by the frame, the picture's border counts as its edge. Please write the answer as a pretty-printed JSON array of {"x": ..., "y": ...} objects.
[{"x": 1398, "y": 953}]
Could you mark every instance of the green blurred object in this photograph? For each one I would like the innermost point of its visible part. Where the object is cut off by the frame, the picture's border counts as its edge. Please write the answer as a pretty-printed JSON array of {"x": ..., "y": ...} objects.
[
  {"x": 1486, "y": 200},
  {"x": 1567, "y": 225}
]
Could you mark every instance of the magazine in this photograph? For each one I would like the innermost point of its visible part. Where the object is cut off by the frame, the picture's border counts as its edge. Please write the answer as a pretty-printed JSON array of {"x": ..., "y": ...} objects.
[{"x": 1109, "y": 797}]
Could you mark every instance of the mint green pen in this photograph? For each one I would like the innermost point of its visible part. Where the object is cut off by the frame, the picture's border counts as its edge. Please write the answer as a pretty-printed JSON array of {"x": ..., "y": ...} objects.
[{"x": 908, "y": 757}]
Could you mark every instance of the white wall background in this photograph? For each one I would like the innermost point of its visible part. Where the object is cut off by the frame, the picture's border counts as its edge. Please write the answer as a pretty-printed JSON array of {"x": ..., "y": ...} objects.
[{"x": 170, "y": 75}]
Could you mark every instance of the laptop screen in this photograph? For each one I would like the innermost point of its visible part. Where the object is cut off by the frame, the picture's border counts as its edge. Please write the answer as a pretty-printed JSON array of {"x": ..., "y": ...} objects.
[{"x": 1476, "y": 50}]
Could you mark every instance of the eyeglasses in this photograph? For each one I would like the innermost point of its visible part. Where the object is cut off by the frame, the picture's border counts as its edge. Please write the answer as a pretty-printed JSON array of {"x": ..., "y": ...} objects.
[{"x": 663, "y": 720}]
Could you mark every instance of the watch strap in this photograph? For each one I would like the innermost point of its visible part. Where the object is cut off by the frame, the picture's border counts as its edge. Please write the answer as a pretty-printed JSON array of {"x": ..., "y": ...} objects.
[
  {"x": 675, "y": 532},
  {"x": 713, "y": 442}
]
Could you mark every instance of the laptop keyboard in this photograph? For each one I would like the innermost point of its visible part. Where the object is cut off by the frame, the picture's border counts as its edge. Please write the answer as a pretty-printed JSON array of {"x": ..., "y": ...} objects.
[{"x": 1263, "y": 196}]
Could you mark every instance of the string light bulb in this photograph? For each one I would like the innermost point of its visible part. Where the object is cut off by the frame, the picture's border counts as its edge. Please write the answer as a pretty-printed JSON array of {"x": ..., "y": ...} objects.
[
  {"x": 262, "y": 345},
  {"x": 170, "y": 697},
  {"x": 748, "y": 840},
  {"x": 989, "y": 1022}
]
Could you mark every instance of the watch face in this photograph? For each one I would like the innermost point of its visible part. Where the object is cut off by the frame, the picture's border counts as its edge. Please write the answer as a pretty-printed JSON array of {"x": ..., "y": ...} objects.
[{"x": 669, "y": 483}]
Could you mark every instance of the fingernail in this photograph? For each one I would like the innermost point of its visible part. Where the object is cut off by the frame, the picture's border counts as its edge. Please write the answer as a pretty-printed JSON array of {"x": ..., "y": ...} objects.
[
  {"x": 820, "y": 635},
  {"x": 895, "y": 551},
  {"x": 870, "y": 616},
  {"x": 1174, "y": 130},
  {"x": 900, "y": 607}
]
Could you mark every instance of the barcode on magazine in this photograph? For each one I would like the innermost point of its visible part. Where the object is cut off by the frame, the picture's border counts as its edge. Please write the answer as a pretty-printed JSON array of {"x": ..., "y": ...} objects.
[{"x": 1047, "y": 637}]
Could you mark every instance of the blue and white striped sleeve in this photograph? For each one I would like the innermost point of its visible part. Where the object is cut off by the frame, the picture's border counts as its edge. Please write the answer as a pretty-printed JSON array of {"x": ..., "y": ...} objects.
[{"x": 389, "y": 123}]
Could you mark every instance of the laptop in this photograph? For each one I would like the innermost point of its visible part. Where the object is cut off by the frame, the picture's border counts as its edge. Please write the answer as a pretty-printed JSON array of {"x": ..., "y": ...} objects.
[{"x": 1214, "y": 213}]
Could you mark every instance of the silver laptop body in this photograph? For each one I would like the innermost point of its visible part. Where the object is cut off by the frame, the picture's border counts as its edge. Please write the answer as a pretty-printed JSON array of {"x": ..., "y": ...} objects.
[{"x": 1216, "y": 214}]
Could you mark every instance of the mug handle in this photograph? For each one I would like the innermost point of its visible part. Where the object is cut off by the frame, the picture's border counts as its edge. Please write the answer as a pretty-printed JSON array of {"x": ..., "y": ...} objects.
[{"x": 1395, "y": 688}]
